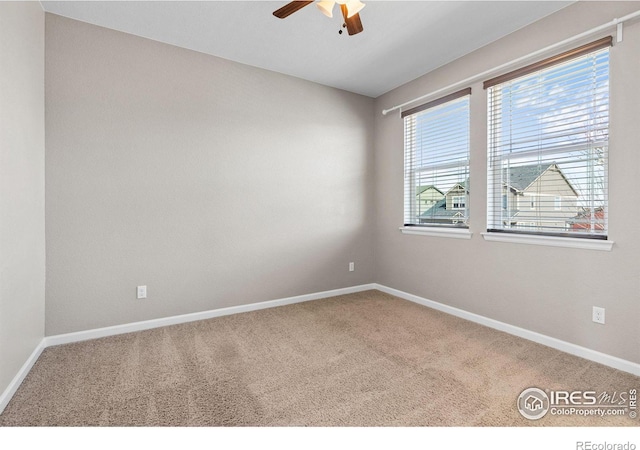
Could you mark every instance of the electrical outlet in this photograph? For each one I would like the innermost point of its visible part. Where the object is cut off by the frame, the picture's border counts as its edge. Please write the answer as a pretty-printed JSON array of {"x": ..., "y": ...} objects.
[
  {"x": 142, "y": 292},
  {"x": 352, "y": 267},
  {"x": 598, "y": 315}
]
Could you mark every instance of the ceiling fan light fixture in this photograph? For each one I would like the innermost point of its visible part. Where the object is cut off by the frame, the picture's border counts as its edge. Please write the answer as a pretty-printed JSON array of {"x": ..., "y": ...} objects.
[
  {"x": 348, "y": 8},
  {"x": 326, "y": 7},
  {"x": 353, "y": 7}
]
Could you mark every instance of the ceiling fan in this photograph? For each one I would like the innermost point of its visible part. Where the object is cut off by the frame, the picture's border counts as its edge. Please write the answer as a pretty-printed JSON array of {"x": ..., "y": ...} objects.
[{"x": 350, "y": 11}]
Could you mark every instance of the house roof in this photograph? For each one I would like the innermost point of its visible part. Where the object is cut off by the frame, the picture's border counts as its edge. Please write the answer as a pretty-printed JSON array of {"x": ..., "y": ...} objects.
[
  {"x": 439, "y": 211},
  {"x": 521, "y": 177},
  {"x": 421, "y": 189},
  {"x": 583, "y": 220},
  {"x": 462, "y": 185}
]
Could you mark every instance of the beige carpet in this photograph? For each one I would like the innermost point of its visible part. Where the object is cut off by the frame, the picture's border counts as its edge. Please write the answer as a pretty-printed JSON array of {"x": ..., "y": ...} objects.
[{"x": 366, "y": 359}]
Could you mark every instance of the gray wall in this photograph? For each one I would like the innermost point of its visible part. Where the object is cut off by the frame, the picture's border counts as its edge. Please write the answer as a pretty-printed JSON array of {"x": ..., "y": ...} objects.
[
  {"x": 22, "y": 248},
  {"x": 218, "y": 184},
  {"x": 213, "y": 183},
  {"x": 544, "y": 289}
]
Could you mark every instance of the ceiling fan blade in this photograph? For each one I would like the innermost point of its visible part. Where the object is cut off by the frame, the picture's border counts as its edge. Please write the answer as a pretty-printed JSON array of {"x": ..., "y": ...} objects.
[
  {"x": 290, "y": 8},
  {"x": 354, "y": 24}
]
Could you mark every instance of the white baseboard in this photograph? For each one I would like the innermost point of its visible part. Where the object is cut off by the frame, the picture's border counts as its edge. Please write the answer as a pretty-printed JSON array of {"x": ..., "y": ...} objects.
[
  {"x": 567, "y": 347},
  {"x": 184, "y": 318},
  {"x": 6, "y": 396}
]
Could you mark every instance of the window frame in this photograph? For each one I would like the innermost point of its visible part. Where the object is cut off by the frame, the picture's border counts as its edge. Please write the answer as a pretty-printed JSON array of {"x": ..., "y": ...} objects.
[
  {"x": 493, "y": 209},
  {"x": 410, "y": 198}
]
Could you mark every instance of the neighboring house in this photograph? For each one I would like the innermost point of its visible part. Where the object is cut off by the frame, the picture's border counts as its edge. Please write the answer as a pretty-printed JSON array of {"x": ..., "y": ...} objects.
[
  {"x": 426, "y": 197},
  {"x": 450, "y": 210},
  {"x": 585, "y": 222},
  {"x": 534, "y": 197},
  {"x": 538, "y": 197}
]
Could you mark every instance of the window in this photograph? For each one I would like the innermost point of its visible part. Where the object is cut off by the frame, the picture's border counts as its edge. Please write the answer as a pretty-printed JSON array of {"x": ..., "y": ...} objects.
[
  {"x": 548, "y": 139},
  {"x": 557, "y": 203},
  {"x": 458, "y": 202},
  {"x": 436, "y": 156}
]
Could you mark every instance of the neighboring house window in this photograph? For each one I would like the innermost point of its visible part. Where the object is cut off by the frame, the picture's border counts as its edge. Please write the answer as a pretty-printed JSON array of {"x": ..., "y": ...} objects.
[
  {"x": 548, "y": 139},
  {"x": 436, "y": 162},
  {"x": 459, "y": 202}
]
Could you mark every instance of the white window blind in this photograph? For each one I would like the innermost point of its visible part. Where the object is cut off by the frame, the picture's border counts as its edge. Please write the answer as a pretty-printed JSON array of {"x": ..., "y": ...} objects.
[
  {"x": 436, "y": 162},
  {"x": 548, "y": 145}
]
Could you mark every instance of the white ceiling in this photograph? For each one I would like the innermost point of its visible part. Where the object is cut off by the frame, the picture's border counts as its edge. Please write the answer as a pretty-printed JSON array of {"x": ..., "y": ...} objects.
[{"x": 401, "y": 39}]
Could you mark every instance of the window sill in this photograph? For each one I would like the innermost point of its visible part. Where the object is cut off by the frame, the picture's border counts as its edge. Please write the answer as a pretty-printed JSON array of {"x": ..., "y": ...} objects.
[
  {"x": 456, "y": 233},
  {"x": 551, "y": 241}
]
